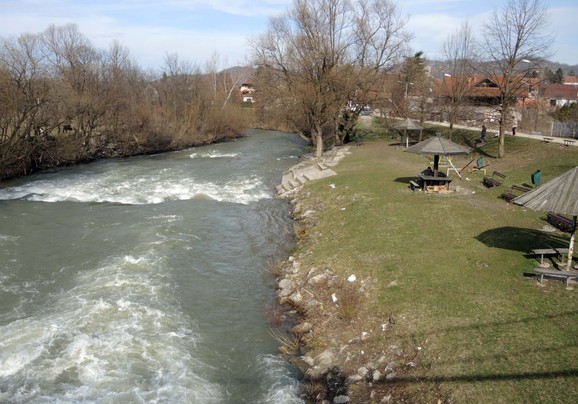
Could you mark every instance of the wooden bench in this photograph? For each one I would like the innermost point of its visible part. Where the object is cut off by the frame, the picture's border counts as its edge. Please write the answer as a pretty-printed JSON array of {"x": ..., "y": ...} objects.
[
  {"x": 560, "y": 222},
  {"x": 565, "y": 275},
  {"x": 568, "y": 142},
  {"x": 492, "y": 181},
  {"x": 521, "y": 189},
  {"x": 548, "y": 139},
  {"x": 509, "y": 195},
  {"x": 414, "y": 185}
]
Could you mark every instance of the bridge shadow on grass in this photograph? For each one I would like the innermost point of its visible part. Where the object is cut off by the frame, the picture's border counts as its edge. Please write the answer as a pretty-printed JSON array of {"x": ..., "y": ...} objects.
[
  {"x": 520, "y": 239},
  {"x": 487, "y": 356},
  {"x": 570, "y": 373}
]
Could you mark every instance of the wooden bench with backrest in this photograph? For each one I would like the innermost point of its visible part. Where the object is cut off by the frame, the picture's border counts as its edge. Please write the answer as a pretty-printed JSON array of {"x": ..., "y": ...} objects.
[
  {"x": 565, "y": 275},
  {"x": 509, "y": 195},
  {"x": 561, "y": 222},
  {"x": 492, "y": 181}
]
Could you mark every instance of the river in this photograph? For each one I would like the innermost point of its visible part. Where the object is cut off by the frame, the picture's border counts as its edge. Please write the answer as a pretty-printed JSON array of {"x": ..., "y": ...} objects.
[{"x": 145, "y": 279}]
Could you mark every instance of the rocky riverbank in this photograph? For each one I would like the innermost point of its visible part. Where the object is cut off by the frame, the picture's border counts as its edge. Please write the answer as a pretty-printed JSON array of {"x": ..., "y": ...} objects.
[{"x": 341, "y": 360}]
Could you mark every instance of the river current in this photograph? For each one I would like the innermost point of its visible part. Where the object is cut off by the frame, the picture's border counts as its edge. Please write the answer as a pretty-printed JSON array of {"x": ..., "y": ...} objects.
[{"x": 145, "y": 279}]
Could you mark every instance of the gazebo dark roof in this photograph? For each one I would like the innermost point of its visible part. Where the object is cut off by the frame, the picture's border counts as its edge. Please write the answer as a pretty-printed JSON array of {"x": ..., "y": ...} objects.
[
  {"x": 438, "y": 145},
  {"x": 407, "y": 124}
]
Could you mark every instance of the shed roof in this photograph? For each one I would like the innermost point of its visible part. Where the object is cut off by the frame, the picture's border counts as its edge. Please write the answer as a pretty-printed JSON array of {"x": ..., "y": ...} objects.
[{"x": 559, "y": 195}]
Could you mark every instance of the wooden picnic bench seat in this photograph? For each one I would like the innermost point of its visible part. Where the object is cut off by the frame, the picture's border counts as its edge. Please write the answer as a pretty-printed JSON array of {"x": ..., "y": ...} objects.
[
  {"x": 492, "y": 181},
  {"x": 509, "y": 195},
  {"x": 563, "y": 223},
  {"x": 568, "y": 142},
  {"x": 548, "y": 139},
  {"x": 414, "y": 185},
  {"x": 565, "y": 275},
  {"x": 521, "y": 189}
]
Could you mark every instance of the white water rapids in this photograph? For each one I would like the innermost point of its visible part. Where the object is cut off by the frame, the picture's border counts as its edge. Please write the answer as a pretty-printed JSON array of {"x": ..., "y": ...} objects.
[{"x": 144, "y": 279}]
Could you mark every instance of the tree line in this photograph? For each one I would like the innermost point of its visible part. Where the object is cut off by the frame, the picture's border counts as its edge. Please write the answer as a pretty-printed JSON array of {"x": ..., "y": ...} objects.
[
  {"x": 63, "y": 101},
  {"x": 316, "y": 67},
  {"x": 324, "y": 60}
]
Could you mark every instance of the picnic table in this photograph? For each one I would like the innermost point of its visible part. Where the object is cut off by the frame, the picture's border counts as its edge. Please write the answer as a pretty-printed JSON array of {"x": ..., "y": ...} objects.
[
  {"x": 429, "y": 183},
  {"x": 542, "y": 252},
  {"x": 568, "y": 142}
]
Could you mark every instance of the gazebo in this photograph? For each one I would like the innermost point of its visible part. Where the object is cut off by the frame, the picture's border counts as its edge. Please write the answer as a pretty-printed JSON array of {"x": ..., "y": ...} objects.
[
  {"x": 438, "y": 146},
  {"x": 405, "y": 125}
]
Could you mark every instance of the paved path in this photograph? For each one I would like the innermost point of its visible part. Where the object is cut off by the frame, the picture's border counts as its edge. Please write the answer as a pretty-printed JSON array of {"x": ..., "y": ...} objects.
[
  {"x": 313, "y": 169},
  {"x": 491, "y": 132}
]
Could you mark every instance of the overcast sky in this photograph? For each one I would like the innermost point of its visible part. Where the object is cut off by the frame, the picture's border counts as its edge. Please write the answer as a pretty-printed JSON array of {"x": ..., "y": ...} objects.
[{"x": 197, "y": 30}]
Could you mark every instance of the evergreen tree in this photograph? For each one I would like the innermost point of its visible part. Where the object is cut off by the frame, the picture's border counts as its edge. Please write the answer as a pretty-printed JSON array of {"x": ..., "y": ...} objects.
[{"x": 558, "y": 77}]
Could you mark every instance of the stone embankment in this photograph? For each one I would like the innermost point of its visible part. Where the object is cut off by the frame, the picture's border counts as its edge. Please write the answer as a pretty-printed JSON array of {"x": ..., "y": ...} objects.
[
  {"x": 310, "y": 169},
  {"x": 330, "y": 357}
]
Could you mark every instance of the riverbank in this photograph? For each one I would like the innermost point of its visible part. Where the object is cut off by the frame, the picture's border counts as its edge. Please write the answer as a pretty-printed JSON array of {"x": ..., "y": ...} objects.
[
  {"x": 406, "y": 296},
  {"x": 319, "y": 296}
]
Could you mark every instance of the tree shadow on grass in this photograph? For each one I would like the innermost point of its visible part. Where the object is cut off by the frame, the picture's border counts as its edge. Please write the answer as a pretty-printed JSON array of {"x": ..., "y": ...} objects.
[{"x": 520, "y": 239}]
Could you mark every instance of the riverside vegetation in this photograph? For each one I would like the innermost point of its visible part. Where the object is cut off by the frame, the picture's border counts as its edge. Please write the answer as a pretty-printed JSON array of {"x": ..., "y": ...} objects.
[
  {"x": 407, "y": 297},
  {"x": 62, "y": 101}
]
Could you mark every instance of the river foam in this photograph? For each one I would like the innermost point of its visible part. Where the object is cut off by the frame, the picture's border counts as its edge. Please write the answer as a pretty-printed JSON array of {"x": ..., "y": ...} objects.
[
  {"x": 117, "y": 335},
  {"x": 110, "y": 295},
  {"x": 144, "y": 190}
]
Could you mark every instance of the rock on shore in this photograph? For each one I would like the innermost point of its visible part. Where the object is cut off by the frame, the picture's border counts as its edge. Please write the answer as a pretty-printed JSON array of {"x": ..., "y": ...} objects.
[{"x": 332, "y": 359}]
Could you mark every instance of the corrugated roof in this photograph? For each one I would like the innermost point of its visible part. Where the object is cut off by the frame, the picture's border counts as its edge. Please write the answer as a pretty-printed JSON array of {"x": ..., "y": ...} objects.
[{"x": 559, "y": 195}]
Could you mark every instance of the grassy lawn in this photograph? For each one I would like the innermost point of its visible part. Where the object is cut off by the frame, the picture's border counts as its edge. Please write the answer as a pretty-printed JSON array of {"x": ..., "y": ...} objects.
[{"x": 449, "y": 269}]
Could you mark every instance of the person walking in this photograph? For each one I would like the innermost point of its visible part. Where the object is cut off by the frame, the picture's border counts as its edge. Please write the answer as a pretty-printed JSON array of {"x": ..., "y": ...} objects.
[
  {"x": 483, "y": 137},
  {"x": 514, "y": 125}
]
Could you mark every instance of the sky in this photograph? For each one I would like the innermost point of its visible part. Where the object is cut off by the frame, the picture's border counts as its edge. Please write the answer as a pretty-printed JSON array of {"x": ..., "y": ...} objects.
[{"x": 199, "y": 31}]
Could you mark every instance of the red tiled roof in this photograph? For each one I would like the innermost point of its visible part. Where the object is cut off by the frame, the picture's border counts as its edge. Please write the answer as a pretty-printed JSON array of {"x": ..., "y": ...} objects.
[
  {"x": 478, "y": 85},
  {"x": 561, "y": 92}
]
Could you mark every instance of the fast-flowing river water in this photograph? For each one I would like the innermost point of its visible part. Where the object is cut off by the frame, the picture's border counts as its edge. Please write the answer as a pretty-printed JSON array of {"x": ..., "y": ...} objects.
[{"x": 145, "y": 279}]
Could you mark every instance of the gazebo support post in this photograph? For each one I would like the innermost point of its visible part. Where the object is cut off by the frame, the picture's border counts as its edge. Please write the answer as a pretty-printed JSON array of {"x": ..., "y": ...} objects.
[
  {"x": 436, "y": 164},
  {"x": 571, "y": 246}
]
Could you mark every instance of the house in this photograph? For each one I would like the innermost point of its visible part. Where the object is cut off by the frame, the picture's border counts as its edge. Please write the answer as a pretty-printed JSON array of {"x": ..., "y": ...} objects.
[
  {"x": 571, "y": 80},
  {"x": 246, "y": 91},
  {"x": 559, "y": 95},
  {"x": 484, "y": 90}
]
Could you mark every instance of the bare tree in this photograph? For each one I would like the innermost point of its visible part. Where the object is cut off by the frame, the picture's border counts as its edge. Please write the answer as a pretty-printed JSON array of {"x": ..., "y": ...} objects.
[
  {"x": 460, "y": 56},
  {"x": 26, "y": 98},
  {"x": 326, "y": 53},
  {"x": 514, "y": 40}
]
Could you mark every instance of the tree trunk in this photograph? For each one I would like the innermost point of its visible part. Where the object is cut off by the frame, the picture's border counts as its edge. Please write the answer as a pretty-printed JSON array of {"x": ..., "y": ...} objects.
[
  {"x": 501, "y": 132},
  {"x": 319, "y": 142}
]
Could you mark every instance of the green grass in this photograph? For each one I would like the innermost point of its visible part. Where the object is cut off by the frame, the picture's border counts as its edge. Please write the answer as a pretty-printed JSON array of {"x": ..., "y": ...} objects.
[{"x": 450, "y": 269}]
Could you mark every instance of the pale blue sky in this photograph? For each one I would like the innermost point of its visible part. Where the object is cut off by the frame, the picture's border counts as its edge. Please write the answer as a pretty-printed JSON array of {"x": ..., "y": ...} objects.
[{"x": 196, "y": 30}]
